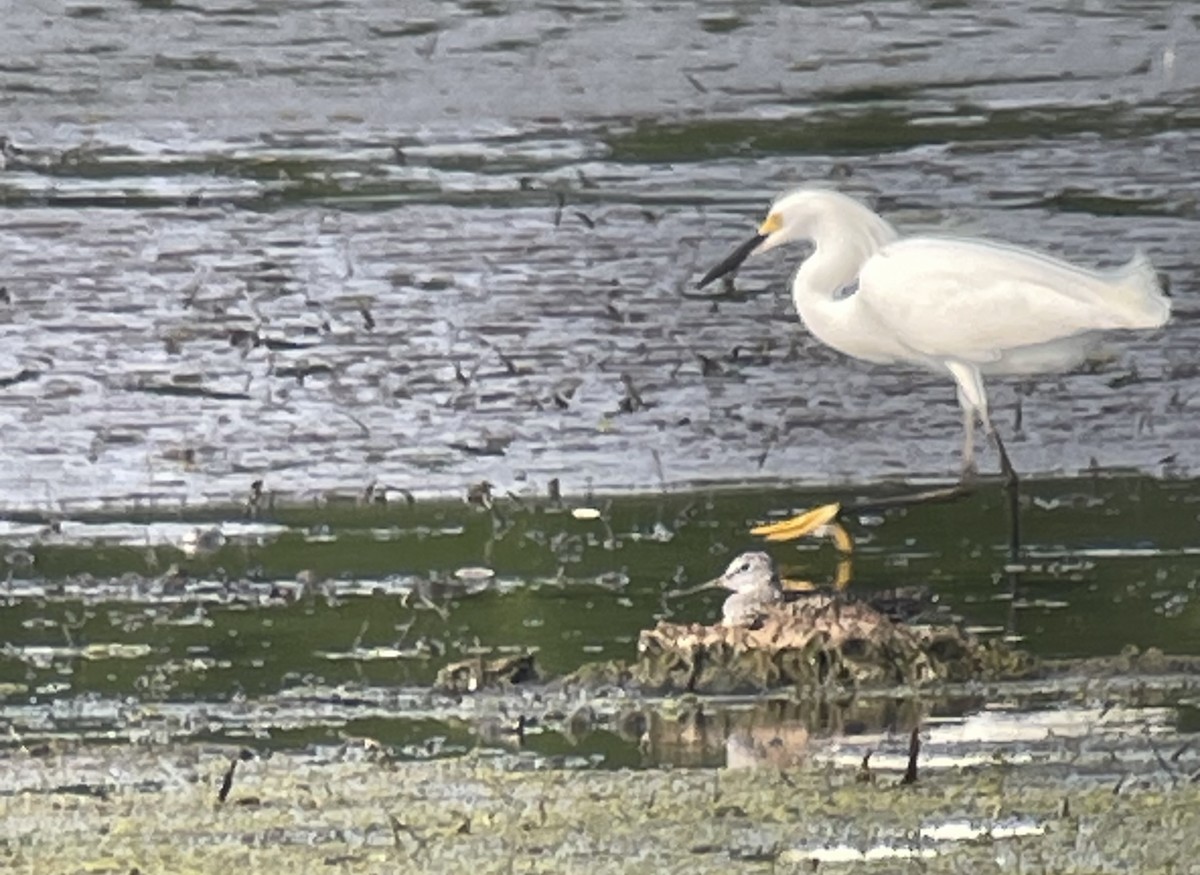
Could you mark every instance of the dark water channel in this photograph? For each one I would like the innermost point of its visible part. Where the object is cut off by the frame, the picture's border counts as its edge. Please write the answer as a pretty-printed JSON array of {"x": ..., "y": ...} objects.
[
  {"x": 313, "y": 625},
  {"x": 337, "y": 247}
]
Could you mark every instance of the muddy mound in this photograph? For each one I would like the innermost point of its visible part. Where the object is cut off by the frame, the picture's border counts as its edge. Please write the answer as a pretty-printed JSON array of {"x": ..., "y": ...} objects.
[{"x": 821, "y": 641}]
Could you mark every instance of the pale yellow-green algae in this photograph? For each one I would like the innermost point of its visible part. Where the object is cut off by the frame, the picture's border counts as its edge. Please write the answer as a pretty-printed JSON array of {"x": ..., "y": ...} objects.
[{"x": 157, "y": 812}]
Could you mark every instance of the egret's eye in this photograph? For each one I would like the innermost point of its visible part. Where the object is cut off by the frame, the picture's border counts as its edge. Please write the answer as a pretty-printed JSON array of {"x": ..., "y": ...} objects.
[{"x": 745, "y": 567}]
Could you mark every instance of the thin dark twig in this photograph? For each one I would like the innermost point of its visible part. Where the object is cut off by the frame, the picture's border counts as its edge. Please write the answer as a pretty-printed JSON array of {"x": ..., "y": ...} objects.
[{"x": 914, "y": 748}]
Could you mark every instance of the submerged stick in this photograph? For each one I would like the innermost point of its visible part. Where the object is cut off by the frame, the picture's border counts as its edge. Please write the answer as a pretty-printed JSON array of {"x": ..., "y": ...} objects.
[
  {"x": 245, "y": 754},
  {"x": 914, "y": 748},
  {"x": 227, "y": 783}
]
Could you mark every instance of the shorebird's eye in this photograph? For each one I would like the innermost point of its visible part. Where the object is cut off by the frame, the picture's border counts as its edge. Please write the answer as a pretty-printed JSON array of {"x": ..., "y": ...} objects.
[{"x": 745, "y": 567}]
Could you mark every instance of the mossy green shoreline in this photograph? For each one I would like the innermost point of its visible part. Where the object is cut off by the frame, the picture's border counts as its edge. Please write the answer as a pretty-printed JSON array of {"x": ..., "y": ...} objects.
[{"x": 156, "y": 810}]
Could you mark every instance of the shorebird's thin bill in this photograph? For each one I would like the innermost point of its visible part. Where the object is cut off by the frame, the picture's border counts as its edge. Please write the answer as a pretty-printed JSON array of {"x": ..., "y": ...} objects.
[
  {"x": 734, "y": 261},
  {"x": 804, "y": 524},
  {"x": 715, "y": 583}
]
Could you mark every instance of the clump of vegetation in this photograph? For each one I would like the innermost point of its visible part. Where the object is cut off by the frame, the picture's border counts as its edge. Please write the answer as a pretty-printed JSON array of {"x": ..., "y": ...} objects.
[{"x": 818, "y": 642}]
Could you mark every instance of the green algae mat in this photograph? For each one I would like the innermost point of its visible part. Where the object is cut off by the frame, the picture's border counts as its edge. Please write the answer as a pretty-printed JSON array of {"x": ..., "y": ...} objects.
[{"x": 353, "y": 812}]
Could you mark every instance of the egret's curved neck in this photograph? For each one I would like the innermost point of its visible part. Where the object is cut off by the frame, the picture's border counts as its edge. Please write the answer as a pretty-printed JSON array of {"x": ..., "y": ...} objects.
[{"x": 846, "y": 235}]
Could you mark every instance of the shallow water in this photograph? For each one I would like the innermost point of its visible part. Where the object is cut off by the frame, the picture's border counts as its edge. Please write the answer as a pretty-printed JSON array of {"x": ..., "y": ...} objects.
[
  {"x": 309, "y": 624},
  {"x": 324, "y": 245},
  {"x": 334, "y": 249}
]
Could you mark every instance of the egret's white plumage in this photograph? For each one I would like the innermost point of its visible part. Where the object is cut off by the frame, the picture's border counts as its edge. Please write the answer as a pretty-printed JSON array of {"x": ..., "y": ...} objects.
[{"x": 957, "y": 305}]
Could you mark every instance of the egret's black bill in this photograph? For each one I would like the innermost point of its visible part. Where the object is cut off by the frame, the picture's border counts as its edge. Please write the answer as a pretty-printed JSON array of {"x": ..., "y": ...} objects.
[{"x": 733, "y": 262}]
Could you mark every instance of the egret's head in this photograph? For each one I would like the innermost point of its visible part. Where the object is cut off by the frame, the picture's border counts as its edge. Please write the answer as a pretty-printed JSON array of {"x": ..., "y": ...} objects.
[
  {"x": 746, "y": 572},
  {"x": 804, "y": 214},
  {"x": 795, "y": 215},
  {"x": 790, "y": 218}
]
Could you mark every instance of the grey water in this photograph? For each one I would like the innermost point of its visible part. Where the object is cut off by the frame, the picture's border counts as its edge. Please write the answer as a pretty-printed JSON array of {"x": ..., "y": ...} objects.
[{"x": 330, "y": 244}]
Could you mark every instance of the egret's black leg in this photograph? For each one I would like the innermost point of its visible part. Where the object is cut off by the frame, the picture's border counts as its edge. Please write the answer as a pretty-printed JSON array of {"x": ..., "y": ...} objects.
[
  {"x": 1012, "y": 487},
  {"x": 805, "y": 523},
  {"x": 965, "y": 487}
]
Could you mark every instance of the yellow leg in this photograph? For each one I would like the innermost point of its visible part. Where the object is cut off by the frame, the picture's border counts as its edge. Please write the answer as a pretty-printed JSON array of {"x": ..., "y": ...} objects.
[
  {"x": 845, "y": 571},
  {"x": 805, "y": 524},
  {"x": 841, "y": 538},
  {"x": 820, "y": 521},
  {"x": 791, "y": 584}
]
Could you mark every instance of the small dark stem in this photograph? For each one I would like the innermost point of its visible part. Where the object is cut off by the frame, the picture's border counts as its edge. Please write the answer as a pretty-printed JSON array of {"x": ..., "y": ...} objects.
[
  {"x": 914, "y": 748},
  {"x": 927, "y": 496}
]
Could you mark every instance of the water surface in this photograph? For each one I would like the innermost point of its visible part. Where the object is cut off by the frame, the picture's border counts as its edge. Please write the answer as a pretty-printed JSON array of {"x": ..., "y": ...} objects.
[{"x": 329, "y": 244}]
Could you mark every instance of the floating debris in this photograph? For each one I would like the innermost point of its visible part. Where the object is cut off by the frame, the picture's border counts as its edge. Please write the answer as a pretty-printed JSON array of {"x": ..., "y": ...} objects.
[
  {"x": 198, "y": 542},
  {"x": 632, "y": 402},
  {"x": 491, "y": 445},
  {"x": 474, "y": 573},
  {"x": 177, "y": 390},
  {"x": 471, "y": 675},
  {"x": 480, "y": 494},
  {"x": 255, "y": 500}
]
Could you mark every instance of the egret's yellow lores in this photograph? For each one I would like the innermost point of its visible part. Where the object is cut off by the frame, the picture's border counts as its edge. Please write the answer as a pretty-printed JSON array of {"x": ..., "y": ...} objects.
[{"x": 957, "y": 305}]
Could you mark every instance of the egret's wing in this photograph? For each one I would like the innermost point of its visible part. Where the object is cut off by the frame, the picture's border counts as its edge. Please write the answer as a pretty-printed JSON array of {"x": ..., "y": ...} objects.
[{"x": 971, "y": 300}]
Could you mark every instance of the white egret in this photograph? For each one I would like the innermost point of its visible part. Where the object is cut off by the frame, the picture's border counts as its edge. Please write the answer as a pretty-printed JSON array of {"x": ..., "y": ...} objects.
[{"x": 961, "y": 306}]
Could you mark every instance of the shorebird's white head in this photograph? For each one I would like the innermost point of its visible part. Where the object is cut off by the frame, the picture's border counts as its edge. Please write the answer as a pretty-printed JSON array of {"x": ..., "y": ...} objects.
[{"x": 748, "y": 571}]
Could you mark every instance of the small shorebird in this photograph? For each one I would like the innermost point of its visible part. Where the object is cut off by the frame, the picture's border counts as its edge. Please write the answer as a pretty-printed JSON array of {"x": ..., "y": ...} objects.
[
  {"x": 752, "y": 577},
  {"x": 756, "y": 589},
  {"x": 755, "y": 585}
]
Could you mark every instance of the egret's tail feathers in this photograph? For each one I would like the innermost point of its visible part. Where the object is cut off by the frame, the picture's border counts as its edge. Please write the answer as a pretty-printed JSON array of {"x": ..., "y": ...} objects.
[{"x": 1138, "y": 294}]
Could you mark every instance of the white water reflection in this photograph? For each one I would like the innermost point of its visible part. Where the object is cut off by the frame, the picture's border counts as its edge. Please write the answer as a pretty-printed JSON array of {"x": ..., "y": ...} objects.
[{"x": 930, "y": 842}]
